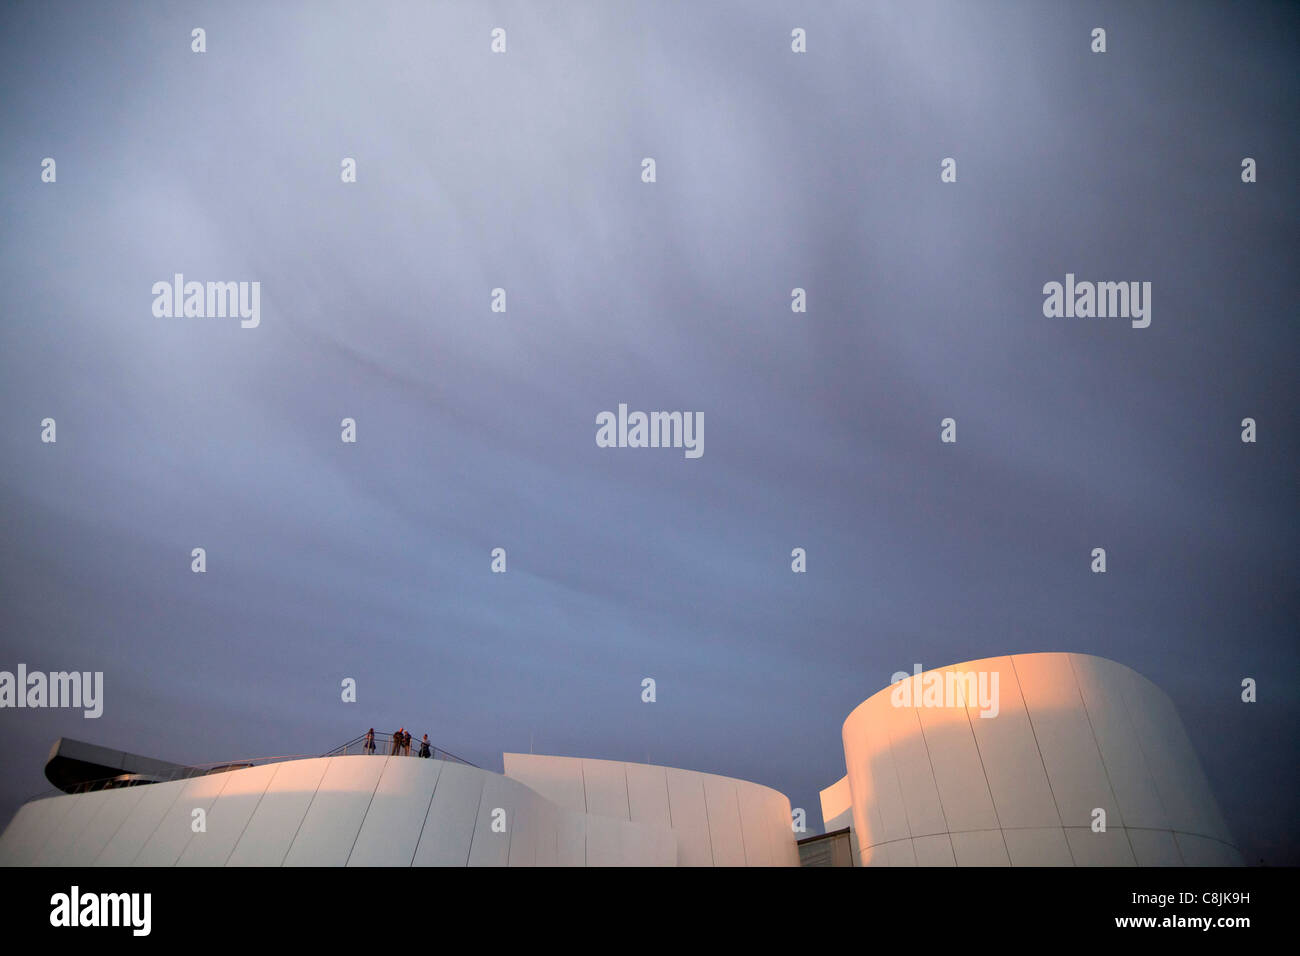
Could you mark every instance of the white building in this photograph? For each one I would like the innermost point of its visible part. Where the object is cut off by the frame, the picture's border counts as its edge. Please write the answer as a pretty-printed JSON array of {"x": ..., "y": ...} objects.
[
  {"x": 1070, "y": 741},
  {"x": 404, "y": 811},
  {"x": 1028, "y": 760}
]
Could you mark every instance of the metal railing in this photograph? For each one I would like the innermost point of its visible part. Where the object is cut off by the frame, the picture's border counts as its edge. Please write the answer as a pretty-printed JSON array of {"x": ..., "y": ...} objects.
[
  {"x": 354, "y": 747},
  {"x": 384, "y": 747}
]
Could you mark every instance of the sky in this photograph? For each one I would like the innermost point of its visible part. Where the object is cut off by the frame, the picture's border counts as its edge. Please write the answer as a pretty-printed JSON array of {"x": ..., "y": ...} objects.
[{"x": 476, "y": 429}]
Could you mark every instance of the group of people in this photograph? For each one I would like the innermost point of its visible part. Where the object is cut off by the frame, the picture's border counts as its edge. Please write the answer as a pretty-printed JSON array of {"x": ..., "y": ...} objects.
[{"x": 401, "y": 744}]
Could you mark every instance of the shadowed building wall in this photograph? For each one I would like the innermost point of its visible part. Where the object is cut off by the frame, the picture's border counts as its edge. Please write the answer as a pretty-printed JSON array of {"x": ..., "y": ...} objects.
[{"x": 718, "y": 821}]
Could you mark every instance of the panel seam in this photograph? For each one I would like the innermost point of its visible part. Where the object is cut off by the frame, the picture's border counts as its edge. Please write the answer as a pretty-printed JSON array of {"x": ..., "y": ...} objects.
[{"x": 1042, "y": 762}]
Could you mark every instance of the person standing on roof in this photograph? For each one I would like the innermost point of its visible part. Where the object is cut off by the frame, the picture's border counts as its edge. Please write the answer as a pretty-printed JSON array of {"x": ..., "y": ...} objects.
[
  {"x": 370, "y": 741},
  {"x": 424, "y": 747}
]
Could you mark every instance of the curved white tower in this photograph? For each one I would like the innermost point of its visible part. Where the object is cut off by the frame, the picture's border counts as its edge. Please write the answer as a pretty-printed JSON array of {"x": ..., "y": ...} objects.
[{"x": 1017, "y": 761}]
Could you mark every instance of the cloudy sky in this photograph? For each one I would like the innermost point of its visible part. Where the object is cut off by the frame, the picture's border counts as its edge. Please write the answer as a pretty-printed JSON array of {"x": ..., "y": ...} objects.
[{"x": 476, "y": 429}]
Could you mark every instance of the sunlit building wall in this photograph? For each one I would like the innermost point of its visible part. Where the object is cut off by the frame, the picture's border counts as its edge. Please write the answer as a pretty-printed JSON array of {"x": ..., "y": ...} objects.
[
  {"x": 404, "y": 811},
  {"x": 837, "y": 811},
  {"x": 1067, "y": 738},
  {"x": 1036, "y": 759}
]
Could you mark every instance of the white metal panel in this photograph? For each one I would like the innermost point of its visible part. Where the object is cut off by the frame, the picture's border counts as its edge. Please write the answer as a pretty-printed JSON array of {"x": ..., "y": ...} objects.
[
  {"x": 525, "y": 827},
  {"x": 449, "y": 826},
  {"x": 548, "y": 833},
  {"x": 958, "y": 771},
  {"x": 862, "y": 785},
  {"x": 1155, "y": 848},
  {"x": 229, "y": 816},
  {"x": 491, "y": 847},
  {"x": 980, "y": 848},
  {"x": 1065, "y": 740},
  {"x": 176, "y": 829},
  {"x": 114, "y": 807},
  {"x": 392, "y": 825},
  {"x": 606, "y": 788},
  {"x": 934, "y": 850},
  {"x": 1038, "y": 846},
  {"x": 125, "y": 845},
  {"x": 18, "y": 842},
  {"x": 663, "y": 846},
  {"x": 781, "y": 835},
  {"x": 1200, "y": 851},
  {"x": 16, "y": 834},
  {"x": 271, "y": 828},
  {"x": 54, "y": 824},
  {"x": 1012, "y": 763},
  {"x": 868, "y": 764},
  {"x": 755, "y": 823},
  {"x": 58, "y": 848},
  {"x": 915, "y": 779},
  {"x": 647, "y": 794},
  {"x": 636, "y": 844},
  {"x": 1171, "y": 758},
  {"x": 643, "y": 844},
  {"x": 604, "y": 841},
  {"x": 1154, "y": 727},
  {"x": 558, "y": 779},
  {"x": 334, "y": 818},
  {"x": 1110, "y": 848},
  {"x": 901, "y": 852},
  {"x": 41, "y": 823},
  {"x": 837, "y": 805},
  {"x": 1126, "y": 768},
  {"x": 724, "y": 820},
  {"x": 873, "y": 856},
  {"x": 571, "y": 839},
  {"x": 884, "y": 772},
  {"x": 690, "y": 817}
]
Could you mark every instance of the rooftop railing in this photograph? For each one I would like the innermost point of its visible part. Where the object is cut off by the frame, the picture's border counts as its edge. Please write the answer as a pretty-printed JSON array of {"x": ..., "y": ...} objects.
[{"x": 383, "y": 746}]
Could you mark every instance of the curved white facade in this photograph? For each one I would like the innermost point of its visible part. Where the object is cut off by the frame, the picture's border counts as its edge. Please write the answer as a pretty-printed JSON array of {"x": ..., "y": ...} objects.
[
  {"x": 716, "y": 821},
  {"x": 1028, "y": 760},
  {"x": 837, "y": 811},
  {"x": 370, "y": 811},
  {"x": 934, "y": 782}
]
